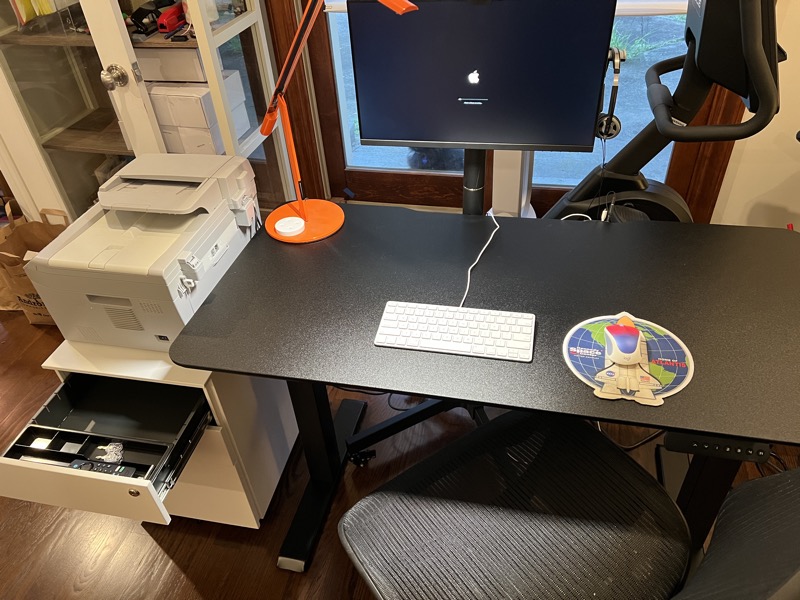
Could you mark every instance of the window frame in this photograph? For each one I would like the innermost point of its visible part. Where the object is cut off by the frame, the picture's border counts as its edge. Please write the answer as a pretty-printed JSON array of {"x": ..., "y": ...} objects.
[{"x": 696, "y": 171}]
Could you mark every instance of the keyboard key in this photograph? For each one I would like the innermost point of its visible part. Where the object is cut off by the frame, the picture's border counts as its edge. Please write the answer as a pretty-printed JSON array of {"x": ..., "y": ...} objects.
[
  {"x": 442, "y": 346},
  {"x": 518, "y": 345}
]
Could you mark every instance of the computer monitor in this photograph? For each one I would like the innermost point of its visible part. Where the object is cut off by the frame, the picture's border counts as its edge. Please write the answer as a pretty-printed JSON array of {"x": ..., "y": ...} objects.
[{"x": 484, "y": 74}]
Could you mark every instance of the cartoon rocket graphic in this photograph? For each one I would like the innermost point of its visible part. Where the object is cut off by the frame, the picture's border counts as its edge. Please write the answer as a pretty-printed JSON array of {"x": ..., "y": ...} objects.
[{"x": 626, "y": 373}]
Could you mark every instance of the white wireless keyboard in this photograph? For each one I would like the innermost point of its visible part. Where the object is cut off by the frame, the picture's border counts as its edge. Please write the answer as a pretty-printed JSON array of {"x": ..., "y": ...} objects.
[{"x": 453, "y": 330}]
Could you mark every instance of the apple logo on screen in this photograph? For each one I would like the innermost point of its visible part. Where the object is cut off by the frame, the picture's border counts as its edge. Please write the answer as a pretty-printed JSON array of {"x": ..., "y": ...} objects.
[{"x": 474, "y": 77}]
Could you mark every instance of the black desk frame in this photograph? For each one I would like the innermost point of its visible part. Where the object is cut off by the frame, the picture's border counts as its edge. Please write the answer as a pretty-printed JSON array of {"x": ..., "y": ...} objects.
[
  {"x": 322, "y": 437},
  {"x": 324, "y": 302}
]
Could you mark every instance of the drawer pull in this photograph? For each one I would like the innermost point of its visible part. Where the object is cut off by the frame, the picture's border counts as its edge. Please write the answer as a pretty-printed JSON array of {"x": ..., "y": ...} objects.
[{"x": 134, "y": 493}]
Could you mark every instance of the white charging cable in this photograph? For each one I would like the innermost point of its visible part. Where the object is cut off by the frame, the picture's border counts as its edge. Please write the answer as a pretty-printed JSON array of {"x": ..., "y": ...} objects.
[{"x": 469, "y": 271}]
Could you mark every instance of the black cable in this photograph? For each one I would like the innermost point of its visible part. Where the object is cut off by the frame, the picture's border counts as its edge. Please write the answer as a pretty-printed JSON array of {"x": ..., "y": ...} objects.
[
  {"x": 779, "y": 459},
  {"x": 643, "y": 441},
  {"x": 392, "y": 406},
  {"x": 606, "y": 208},
  {"x": 359, "y": 390},
  {"x": 371, "y": 393},
  {"x": 775, "y": 468},
  {"x": 602, "y": 176}
]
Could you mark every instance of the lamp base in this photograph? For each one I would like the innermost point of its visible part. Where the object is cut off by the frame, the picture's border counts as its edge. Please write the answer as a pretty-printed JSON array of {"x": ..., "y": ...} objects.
[{"x": 323, "y": 219}]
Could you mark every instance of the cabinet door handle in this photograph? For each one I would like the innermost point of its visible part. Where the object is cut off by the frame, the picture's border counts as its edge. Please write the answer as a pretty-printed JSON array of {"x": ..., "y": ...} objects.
[{"x": 113, "y": 76}]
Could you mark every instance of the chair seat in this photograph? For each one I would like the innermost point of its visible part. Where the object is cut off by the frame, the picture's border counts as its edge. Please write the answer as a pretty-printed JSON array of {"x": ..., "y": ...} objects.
[
  {"x": 754, "y": 552},
  {"x": 527, "y": 506}
]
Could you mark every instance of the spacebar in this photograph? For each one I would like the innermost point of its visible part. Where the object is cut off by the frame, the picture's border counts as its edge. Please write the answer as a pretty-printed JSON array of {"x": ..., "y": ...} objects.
[{"x": 458, "y": 347}]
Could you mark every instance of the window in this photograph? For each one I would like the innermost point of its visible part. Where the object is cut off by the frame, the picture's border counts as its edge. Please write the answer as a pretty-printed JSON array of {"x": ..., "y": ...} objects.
[
  {"x": 695, "y": 169},
  {"x": 647, "y": 38}
]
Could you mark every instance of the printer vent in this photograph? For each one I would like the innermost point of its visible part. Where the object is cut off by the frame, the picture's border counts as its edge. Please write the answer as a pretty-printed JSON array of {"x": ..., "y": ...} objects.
[
  {"x": 151, "y": 307},
  {"x": 123, "y": 318},
  {"x": 90, "y": 334}
]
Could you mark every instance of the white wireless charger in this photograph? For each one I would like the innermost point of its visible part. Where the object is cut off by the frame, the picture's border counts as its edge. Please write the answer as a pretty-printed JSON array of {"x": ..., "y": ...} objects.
[{"x": 290, "y": 226}]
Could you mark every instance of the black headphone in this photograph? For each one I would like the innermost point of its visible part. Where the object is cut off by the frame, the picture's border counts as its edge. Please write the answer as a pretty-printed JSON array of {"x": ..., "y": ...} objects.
[{"x": 608, "y": 124}]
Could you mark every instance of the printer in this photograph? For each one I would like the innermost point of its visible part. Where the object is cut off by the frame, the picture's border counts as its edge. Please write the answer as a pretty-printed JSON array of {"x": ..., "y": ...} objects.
[{"x": 136, "y": 266}]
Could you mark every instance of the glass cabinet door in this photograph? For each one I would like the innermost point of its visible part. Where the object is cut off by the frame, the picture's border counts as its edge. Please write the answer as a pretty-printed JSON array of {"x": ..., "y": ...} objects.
[
  {"x": 76, "y": 107},
  {"x": 61, "y": 135},
  {"x": 49, "y": 75},
  {"x": 232, "y": 41}
]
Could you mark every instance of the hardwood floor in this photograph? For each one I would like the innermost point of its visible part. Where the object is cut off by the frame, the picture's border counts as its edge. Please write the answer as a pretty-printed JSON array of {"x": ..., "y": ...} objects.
[{"x": 56, "y": 553}]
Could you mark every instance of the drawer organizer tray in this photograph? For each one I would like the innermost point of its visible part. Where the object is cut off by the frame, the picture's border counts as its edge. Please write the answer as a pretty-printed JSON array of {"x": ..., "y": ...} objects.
[{"x": 151, "y": 428}]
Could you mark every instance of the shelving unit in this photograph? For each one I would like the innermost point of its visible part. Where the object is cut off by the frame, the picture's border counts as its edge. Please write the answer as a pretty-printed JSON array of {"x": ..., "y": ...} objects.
[
  {"x": 97, "y": 133},
  {"x": 63, "y": 124},
  {"x": 83, "y": 40},
  {"x": 46, "y": 39},
  {"x": 158, "y": 41}
]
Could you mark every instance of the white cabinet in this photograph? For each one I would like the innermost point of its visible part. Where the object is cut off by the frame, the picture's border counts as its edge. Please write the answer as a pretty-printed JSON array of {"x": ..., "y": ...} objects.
[
  {"x": 203, "y": 445},
  {"x": 61, "y": 128}
]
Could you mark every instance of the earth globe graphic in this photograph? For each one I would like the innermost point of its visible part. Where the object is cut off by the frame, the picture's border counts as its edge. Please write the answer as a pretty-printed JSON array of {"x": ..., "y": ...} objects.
[{"x": 669, "y": 360}]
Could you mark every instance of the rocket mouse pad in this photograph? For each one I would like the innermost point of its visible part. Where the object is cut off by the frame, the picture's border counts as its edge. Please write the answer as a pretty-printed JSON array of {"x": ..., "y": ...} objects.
[{"x": 621, "y": 356}]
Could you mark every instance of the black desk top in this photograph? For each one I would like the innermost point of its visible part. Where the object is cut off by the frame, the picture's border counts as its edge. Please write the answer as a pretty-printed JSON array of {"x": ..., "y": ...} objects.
[{"x": 310, "y": 312}]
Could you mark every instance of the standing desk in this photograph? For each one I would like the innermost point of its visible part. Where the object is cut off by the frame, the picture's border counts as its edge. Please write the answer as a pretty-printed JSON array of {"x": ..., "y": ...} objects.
[{"x": 309, "y": 313}]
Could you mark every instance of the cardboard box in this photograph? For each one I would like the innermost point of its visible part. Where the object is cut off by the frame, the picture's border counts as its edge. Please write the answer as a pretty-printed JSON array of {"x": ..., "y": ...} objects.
[
  {"x": 233, "y": 86},
  {"x": 170, "y": 64},
  {"x": 192, "y": 140},
  {"x": 190, "y": 105},
  {"x": 183, "y": 105},
  {"x": 241, "y": 120},
  {"x": 172, "y": 139},
  {"x": 196, "y": 140}
]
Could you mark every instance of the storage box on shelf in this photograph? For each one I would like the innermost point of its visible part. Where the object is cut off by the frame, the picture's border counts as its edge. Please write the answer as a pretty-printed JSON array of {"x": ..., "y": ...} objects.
[
  {"x": 170, "y": 64},
  {"x": 186, "y": 116}
]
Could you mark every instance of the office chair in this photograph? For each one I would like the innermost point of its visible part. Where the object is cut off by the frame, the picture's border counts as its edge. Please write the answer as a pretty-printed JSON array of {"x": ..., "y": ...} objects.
[{"x": 545, "y": 507}]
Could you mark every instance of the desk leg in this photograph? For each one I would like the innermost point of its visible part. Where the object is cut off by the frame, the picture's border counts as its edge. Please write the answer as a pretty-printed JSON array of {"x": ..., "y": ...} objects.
[
  {"x": 704, "y": 488},
  {"x": 323, "y": 444}
]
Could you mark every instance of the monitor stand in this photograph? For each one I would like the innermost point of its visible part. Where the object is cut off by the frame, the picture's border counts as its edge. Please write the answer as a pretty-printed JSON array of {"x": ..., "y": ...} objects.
[{"x": 474, "y": 181}]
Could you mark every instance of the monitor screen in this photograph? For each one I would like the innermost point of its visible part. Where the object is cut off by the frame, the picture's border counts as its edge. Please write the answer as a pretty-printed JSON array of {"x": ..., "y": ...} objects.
[{"x": 493, "y": 74}]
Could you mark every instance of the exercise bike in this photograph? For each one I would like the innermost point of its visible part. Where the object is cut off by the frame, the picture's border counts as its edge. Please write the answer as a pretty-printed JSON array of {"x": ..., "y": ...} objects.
[{"x": 732, "y": 46}]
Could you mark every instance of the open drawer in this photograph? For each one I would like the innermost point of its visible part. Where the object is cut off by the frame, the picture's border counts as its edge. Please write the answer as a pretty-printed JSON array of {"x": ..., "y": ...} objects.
[{"x": 107, "y": 445}]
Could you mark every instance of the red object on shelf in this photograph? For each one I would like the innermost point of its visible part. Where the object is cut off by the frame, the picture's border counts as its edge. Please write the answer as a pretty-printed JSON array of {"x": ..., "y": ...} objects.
[{"x": 171, "y": 18}]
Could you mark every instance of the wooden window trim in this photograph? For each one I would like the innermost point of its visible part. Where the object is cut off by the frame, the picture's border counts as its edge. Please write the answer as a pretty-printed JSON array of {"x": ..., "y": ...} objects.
[
  {"x": 696, "y": 171},
  {"x": 282, "y": 20}
]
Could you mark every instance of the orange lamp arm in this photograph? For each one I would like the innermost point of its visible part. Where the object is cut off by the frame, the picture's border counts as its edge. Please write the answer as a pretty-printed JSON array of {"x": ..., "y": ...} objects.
[
  {"x": 277, "y": 104},
  {"x": 293, "y": 164},
  {"x": 401, "y": 7},
  {"x": 299, "y": 42}
]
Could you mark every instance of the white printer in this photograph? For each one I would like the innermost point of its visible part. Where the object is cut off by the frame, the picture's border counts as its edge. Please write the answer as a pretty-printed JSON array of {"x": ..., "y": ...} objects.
[{"x": 135, "y": 267}]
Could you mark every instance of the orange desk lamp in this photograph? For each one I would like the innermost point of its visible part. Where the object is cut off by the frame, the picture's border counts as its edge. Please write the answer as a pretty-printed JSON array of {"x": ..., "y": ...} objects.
[{"x": 304, "y": 220}]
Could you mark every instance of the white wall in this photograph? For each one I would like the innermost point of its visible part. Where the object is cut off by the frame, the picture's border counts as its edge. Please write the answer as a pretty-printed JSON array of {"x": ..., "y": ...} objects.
[{"x": 762, "y": 185}]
